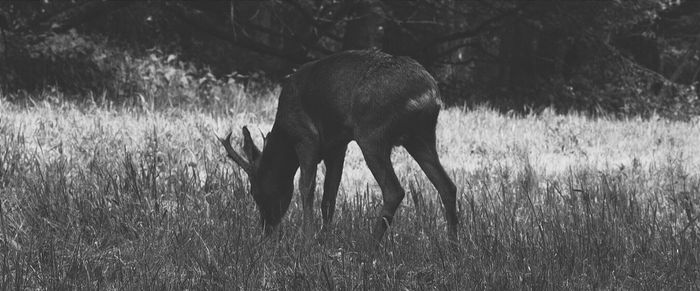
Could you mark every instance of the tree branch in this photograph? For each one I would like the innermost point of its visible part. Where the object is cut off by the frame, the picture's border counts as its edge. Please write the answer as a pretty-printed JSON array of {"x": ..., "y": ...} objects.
[
  {"x": 295, "y": 38},
  {"x": 200, "y": 21},
  {"x": 323, "y": 27},
  {"x": 474, "y": 31},
  {"x": 81, "y": 13}
]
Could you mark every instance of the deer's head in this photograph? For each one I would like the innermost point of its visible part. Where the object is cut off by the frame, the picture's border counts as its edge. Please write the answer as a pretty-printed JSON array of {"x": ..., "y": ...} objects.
[{"x": 271, "y": 177}]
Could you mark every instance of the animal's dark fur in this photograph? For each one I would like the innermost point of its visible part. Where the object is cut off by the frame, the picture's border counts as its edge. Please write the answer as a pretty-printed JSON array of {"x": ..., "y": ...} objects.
[{"x": 374, "y": 98}]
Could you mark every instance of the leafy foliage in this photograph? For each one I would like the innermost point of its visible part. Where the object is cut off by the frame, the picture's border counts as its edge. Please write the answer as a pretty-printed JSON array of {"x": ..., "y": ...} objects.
[
  {"x": 629, "y": 57},
  {"x": 68, "y": 61}
]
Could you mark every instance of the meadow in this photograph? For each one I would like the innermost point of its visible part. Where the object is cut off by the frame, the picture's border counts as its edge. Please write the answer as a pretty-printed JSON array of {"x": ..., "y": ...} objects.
[{"x": 95, "y": 196}]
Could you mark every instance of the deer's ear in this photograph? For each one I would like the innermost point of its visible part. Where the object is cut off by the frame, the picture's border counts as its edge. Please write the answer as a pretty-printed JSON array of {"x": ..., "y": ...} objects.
[{"x": 249, "y": 149}]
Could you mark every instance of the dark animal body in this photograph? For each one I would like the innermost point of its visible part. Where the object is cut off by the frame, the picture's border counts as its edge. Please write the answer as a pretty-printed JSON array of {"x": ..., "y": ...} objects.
[{"x": 379, "y": 101}]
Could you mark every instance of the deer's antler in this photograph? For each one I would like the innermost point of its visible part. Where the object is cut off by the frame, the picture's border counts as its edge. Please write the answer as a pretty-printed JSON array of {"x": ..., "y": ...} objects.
[{"x": 233, "y": 155}]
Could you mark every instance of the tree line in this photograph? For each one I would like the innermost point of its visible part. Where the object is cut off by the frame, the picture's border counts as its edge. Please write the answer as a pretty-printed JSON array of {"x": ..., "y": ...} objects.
[{"x": 617, "y": 56}]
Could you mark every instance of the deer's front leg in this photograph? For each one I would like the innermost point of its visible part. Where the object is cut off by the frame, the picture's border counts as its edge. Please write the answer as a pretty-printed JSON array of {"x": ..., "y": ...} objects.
[
  {"x": 334, "y": 160},
  {"x": 308, "y": 163},
  {"x": 378, "y": 157}
]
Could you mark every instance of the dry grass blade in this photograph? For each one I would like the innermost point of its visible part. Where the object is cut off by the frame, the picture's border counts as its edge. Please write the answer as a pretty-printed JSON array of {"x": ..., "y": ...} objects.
[{"x": 552, "y": 202}]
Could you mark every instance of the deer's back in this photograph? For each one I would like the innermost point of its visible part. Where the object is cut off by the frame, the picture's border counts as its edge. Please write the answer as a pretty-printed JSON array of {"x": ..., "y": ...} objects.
[{"x": 359, "y": 90}]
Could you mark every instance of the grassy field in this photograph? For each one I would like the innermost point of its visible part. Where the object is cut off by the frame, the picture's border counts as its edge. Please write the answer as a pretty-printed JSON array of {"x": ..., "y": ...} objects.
[{"x": 95, "y": 197}]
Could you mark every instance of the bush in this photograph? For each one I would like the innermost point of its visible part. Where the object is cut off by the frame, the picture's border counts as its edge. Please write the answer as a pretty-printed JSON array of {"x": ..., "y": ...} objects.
[
  {"x": 78, "y": 66},
  {"x": 164, "y": 80},
  {"x": 69, "y": 61}
]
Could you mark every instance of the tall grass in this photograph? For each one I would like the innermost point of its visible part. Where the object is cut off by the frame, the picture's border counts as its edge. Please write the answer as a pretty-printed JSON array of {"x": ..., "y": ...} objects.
[{"x": 126, "y": 198}]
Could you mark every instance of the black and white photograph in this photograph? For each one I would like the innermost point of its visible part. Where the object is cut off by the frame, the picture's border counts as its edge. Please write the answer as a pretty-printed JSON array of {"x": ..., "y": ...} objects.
[{"x": 350, "y": 145}]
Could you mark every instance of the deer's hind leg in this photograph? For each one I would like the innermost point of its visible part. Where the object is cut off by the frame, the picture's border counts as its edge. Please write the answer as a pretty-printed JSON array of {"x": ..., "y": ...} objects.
[{"x": 423, "y": 149}]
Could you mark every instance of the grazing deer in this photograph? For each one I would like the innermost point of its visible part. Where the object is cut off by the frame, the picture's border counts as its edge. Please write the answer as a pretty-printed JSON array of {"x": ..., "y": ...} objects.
[{"x": 376, "y": 99}]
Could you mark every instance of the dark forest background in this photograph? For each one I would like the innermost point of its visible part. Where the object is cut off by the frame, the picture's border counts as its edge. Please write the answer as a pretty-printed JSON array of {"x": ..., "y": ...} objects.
[{"x": 622, "y": 57}]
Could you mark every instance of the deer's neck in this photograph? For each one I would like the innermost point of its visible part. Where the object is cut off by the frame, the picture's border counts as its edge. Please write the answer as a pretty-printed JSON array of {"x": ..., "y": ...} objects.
[{"x": 276, "y": 171}]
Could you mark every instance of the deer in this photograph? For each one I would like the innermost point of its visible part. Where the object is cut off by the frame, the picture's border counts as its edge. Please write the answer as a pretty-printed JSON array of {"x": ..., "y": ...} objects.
[{"x": 373, "y": 98}]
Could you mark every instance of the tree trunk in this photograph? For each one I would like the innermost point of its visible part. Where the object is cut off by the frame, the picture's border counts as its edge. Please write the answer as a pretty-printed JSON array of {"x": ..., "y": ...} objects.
[{"x": 517, "y": 51}]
